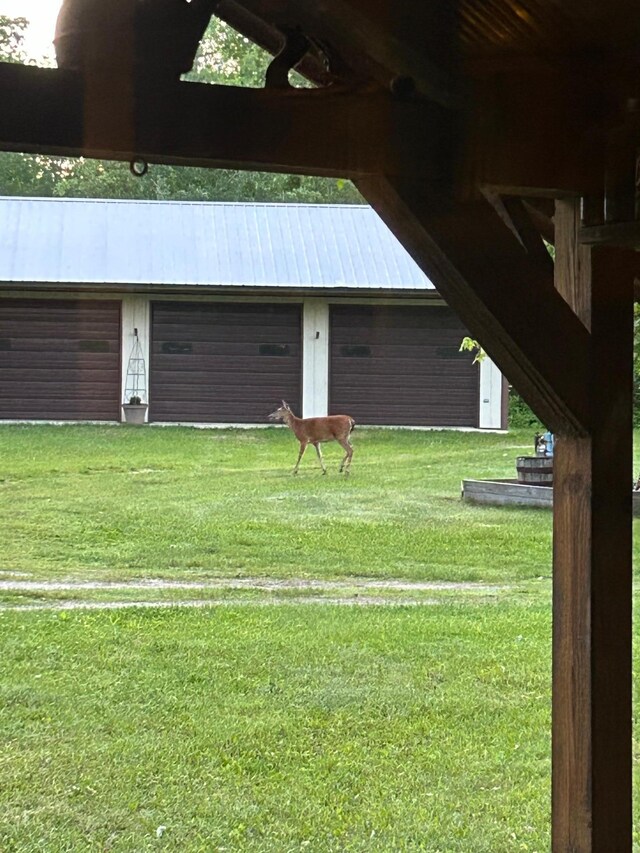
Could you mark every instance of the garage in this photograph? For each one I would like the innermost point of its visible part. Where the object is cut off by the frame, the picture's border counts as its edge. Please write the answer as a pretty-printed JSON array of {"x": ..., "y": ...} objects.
[
  {"x": 399, "y": 365},
  {"x": 59, "y": 359},
  {"x": 217, "y": 362}
]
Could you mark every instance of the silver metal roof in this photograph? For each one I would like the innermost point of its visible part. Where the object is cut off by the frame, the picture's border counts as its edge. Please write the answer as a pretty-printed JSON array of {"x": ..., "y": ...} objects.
[{"x": 169, "y": 243}]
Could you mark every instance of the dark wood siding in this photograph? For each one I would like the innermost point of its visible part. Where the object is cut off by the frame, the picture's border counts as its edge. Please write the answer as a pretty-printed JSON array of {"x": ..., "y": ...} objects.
[
  {"x": 59, "y": 359},
  {"x": 401, "y": 365},
  {"x": 223, "y": 362}
]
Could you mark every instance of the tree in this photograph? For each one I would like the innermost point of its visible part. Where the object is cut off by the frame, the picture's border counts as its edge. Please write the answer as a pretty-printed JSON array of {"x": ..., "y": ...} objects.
[{"x": 12, "y": 33}]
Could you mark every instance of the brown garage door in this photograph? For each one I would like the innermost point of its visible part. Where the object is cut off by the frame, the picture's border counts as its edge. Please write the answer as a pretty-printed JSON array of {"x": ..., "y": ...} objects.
[
  {"x": 401, "y": 365},
  {"x": 223, "y": 363},
  {"x": 59, "y": 359}
]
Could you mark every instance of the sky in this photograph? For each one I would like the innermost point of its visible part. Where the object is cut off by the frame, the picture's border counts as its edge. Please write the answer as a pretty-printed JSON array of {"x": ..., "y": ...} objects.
[{"x": 41, "y": 15}]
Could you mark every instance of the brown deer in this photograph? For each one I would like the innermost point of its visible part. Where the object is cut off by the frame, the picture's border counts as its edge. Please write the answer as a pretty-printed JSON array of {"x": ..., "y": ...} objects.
[{"x": 315, "y": 430}]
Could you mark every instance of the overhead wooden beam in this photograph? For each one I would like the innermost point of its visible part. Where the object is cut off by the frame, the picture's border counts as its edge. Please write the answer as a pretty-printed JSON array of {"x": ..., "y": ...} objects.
[
  {"x": 504, "y": 296},
  {"x": 592, "y": 562},
  {"x": 365, "y": 38},
  {"x": 335, "y": 131},
  {"x": 548, "y": 151}
]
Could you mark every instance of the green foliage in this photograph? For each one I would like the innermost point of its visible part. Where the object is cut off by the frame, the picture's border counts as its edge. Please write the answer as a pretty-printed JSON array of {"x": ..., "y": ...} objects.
[
  {"x": 471, "y": 345},
  {"x": 551, "y": 249},
  {"x": 226, "y": 57},
  {"x": 12, "y": 33},
  {"x": 521, "y": 415}
]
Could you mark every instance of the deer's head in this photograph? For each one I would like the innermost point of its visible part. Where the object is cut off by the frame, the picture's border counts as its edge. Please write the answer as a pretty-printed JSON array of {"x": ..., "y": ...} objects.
[{"x": 281, "y": 413}]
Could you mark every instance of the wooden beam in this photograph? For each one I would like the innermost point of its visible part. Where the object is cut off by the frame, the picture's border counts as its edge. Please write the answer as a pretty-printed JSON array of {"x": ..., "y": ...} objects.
[
  {"x": 592, "y": 563},
  {"x": 504, "y": 296},
  {"x": 337, "y": 131},
  {"x": 572, "y": 268},
  {"x": 373, "y": 41},
  {"x": 519, "y": 218},
  {"x": 541, "y": 219},
  {"x": 548, "y": 151},
  {"x": 623, "y": 234}
]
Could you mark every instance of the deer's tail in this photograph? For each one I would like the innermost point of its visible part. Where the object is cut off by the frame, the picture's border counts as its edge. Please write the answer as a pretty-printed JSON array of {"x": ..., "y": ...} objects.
[{"x": 352, "y": 426}]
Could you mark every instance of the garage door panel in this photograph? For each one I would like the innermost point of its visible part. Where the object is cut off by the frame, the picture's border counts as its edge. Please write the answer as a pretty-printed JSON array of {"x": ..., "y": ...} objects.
[
  {"x": 35, "y": 334},
  {"x": 228, "y": 334},
  {"x": 53, "y": 361},
  {"x": 201, "y": 369},
  {"x": 39, "y": 333},
  {"x": 402, "y": 365},
  {"x": 392, "y": 367},
  {"x": 220, "y": 393},
  {"x": 26, "y": 343},
  {"x": 223, "y": 362},
  {"x": 251, "y": 349},
  {"x": 203, "y": 379},
  {"x": 385, "y": 320},
  {"x": 363, "y": 351},
  {"x": 88, "y": 312},
  {"x": 57, "y": 410},
  {"x": 210, "y": 326},
  {"x": 59, "y": 359},
  {"x": 398, "y": 336},
  {"x": 39, "y": 381},
  {"x": 408, "y": 390}
]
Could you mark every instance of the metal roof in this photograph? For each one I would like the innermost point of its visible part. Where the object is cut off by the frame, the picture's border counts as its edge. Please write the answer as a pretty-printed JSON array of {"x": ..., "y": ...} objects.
[{"x": 88, "y": 241}]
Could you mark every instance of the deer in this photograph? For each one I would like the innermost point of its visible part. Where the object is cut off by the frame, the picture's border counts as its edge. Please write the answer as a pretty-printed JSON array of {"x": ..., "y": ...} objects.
[{"x": 315, "y": 430}]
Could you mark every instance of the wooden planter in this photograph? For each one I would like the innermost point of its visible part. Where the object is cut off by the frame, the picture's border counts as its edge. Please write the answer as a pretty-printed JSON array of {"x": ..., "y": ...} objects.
[{"x": 535, "y": 470}]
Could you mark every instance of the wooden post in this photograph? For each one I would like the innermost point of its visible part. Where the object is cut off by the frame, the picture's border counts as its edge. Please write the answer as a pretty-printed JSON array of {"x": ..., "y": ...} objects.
[
  {"x": 570, "y": 348},
  {"x": 592, "y": 588}
]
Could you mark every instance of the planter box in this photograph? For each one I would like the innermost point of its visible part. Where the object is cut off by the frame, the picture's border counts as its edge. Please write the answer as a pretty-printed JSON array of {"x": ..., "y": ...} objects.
[
  {"x": 512, "y": 493},
  {"x": 134, "y": 413},
  {"x": 506, "y": 493}
]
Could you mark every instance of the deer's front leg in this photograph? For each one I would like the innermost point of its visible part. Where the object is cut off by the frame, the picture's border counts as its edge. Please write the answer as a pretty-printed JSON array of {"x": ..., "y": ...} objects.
[{"x": 303, "y": 447}]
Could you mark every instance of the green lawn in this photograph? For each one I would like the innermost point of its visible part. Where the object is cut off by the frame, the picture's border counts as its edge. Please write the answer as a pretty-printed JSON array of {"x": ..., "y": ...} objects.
[
  {"x": 275, "y": 729},
  {"x": 420, "y": 723},
  {"x": 117, "y": 502}
]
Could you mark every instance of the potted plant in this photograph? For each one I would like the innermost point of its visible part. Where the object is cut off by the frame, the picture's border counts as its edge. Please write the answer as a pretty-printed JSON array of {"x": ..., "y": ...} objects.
[{"x": 135, "y": 410}]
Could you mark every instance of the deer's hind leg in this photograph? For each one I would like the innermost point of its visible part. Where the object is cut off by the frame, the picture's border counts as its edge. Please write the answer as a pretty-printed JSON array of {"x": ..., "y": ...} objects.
[
  {"x": 346, "y": 462},
  {"x": 303, "y": 447},
  {"x": 319, "y": 452}
]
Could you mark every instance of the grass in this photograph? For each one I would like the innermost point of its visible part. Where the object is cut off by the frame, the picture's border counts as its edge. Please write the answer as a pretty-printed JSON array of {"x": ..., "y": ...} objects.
[
  {"x": 236, "y": 726},
  {"x": 255, "y": 729},
  {"x": 118, "y": 503}
]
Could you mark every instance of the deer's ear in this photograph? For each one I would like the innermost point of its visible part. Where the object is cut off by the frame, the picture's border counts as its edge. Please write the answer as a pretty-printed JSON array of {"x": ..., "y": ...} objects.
[{"x": 285, "y": 405}]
